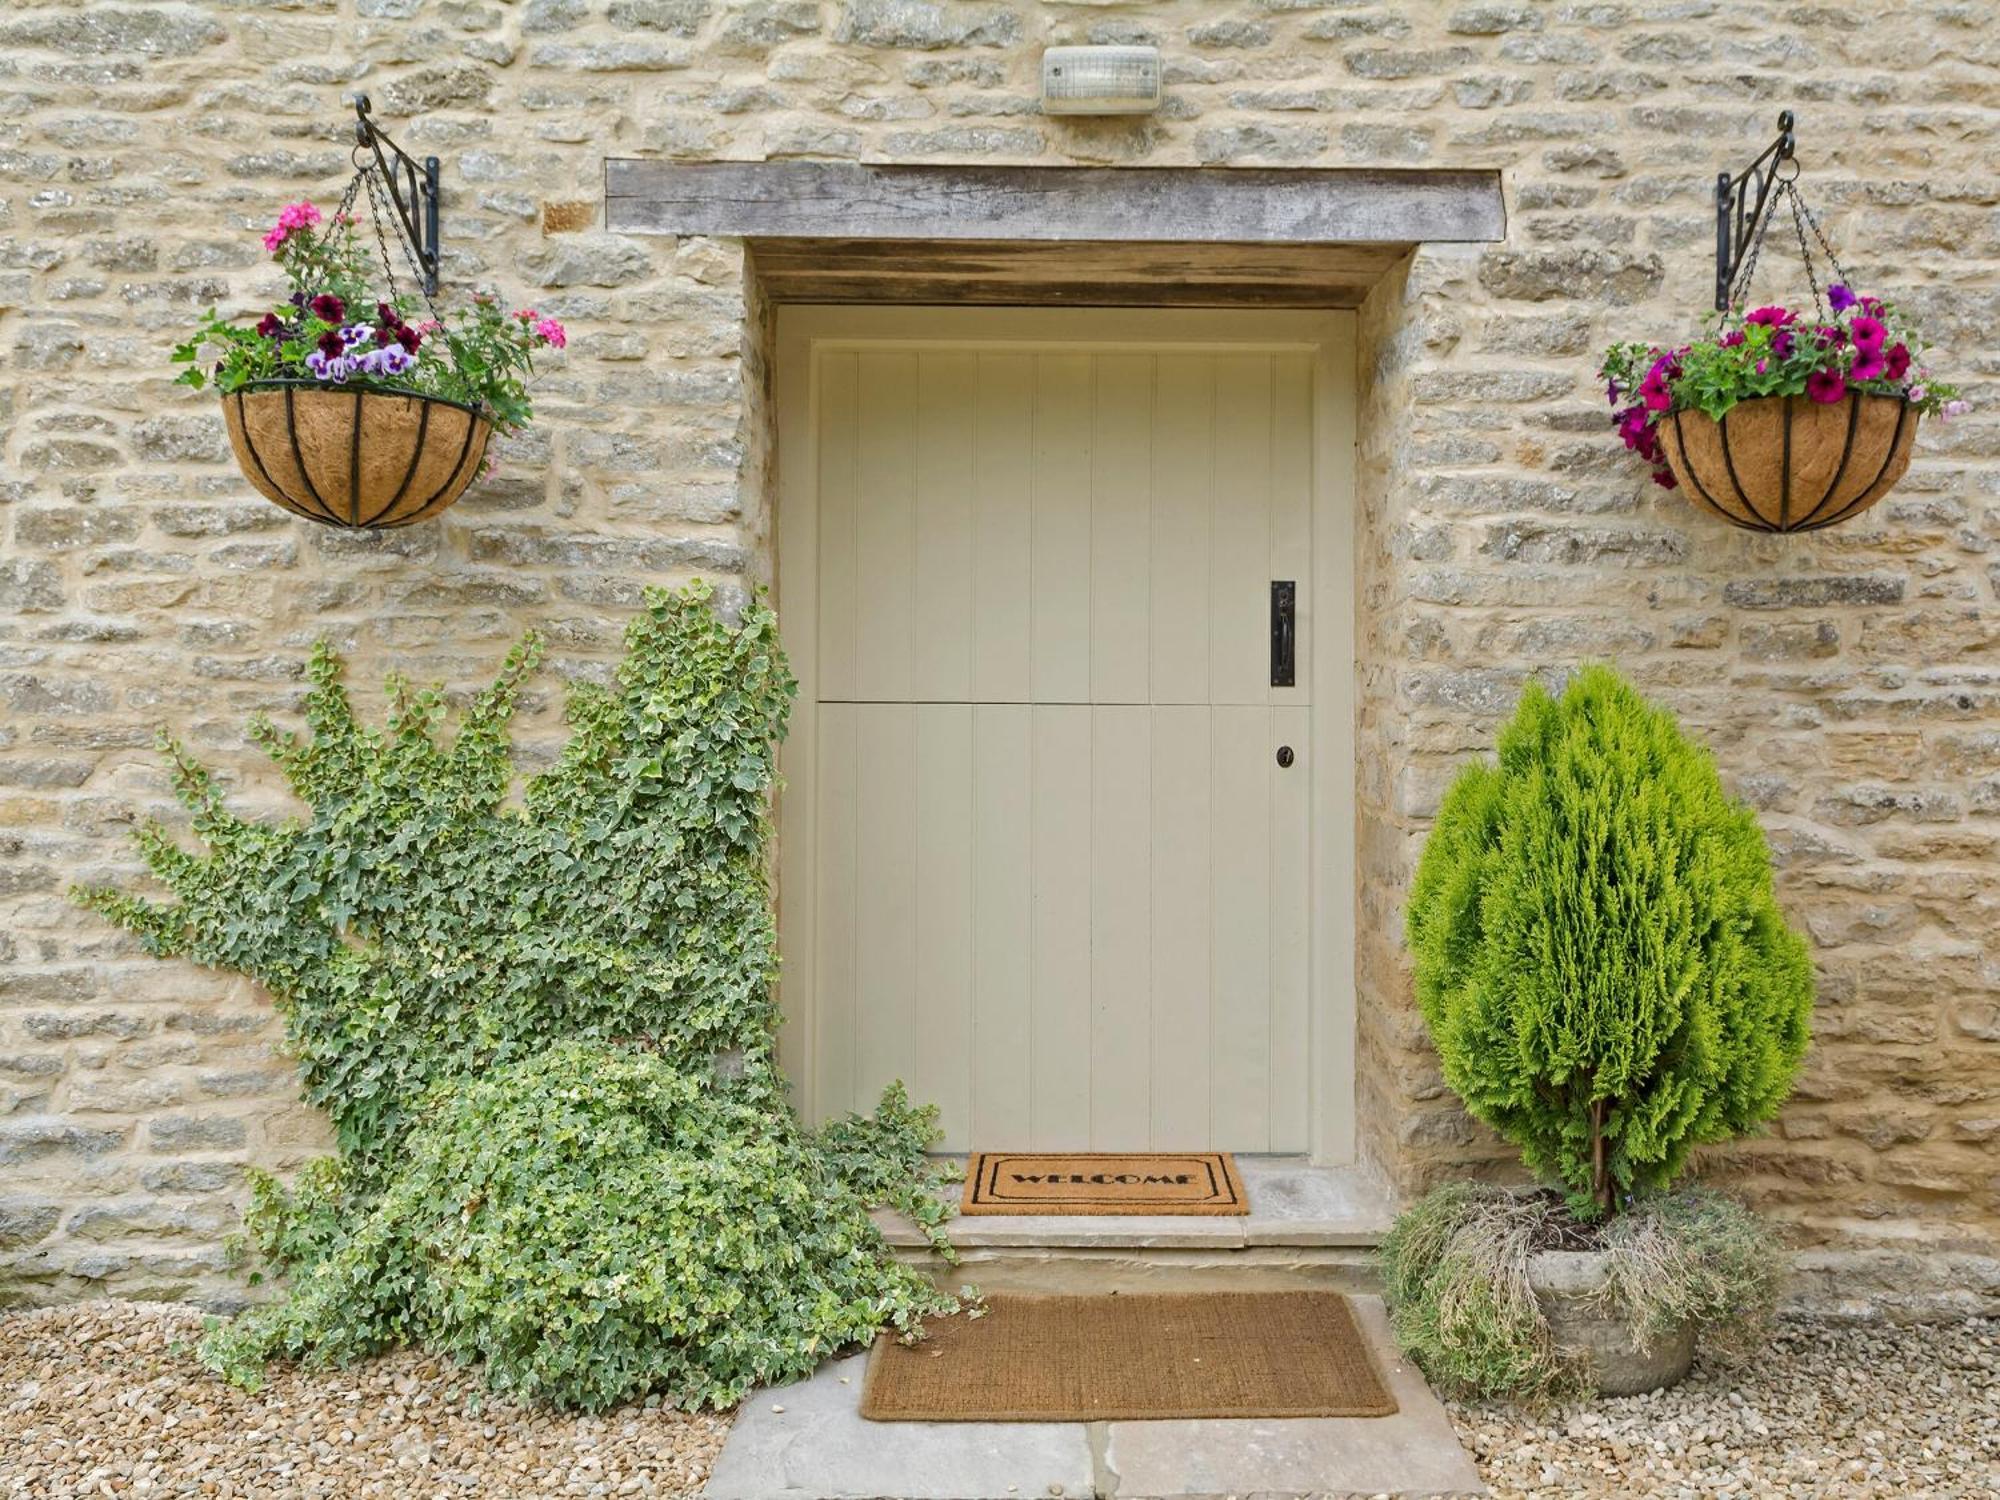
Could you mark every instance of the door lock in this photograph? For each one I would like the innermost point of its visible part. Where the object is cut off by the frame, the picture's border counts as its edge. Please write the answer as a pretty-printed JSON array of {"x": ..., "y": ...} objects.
[{"x": 1285, "y": 757}]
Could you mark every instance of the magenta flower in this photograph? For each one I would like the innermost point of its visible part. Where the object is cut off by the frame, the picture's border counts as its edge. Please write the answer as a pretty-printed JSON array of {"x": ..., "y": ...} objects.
[
  {"x": 1732, "y": 338},
  {"x": 270, "y": 325},
  {"x": 292, "y": 217},
  {"x": 1898, "y": 360},
  {"x": 1869, "y": 334},
  {"x": 1777, "y": 317},
  {"x": 1868, "y": 366},
  {"x": 1840, "y": 297},
  {"x": 1826, "y": 386},
  {"x": 1781, "y": 345},
  {"x": 552, "y": 333}
]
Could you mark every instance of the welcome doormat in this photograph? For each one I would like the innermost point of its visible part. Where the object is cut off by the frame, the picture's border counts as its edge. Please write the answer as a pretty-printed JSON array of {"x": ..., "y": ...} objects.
[
  {"x": 1103, "y": 1182},
  {"x": 1132, "y": 1358}
]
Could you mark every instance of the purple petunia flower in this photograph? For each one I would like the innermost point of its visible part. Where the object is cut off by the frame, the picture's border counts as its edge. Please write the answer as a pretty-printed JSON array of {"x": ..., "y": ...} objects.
[{"x": 1840, "y": 297}]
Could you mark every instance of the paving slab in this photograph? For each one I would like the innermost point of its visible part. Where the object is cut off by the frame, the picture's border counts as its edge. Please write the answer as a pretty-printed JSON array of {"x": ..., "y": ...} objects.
[
  {"x": 1413, "y": 1453},
  {"x": 819, "y": 1448}
]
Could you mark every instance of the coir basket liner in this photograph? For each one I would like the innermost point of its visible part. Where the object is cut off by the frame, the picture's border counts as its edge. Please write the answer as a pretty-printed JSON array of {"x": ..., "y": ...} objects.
[
  {"x": 355, "y": 458},
  {"x": 1786, "y": 463}
]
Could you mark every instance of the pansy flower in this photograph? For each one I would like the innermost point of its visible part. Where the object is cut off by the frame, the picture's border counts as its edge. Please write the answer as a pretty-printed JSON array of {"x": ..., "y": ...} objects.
[
  {"x": 270, "y": 325},
  {"x": 328, "y": 307}
]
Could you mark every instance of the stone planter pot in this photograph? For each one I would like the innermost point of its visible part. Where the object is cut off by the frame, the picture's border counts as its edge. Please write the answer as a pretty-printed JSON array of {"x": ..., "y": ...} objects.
[
  {"x": 355, "y": 459},
  {"x": 1786, "y": 463},
  {"x": 1568, "y": 1285}
]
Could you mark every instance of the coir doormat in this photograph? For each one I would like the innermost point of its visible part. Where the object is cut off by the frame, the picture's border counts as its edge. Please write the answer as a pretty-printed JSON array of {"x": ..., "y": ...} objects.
[
  {"x": 1103, "y": 1182},
  {"x": 1132, "y": 1358}
]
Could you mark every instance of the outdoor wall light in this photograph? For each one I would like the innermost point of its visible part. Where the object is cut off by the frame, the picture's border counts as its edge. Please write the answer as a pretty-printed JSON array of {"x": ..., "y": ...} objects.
[{"x": 1100, "y": 80}]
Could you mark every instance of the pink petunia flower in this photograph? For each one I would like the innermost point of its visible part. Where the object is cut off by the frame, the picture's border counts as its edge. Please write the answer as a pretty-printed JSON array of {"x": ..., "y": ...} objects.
[
  {"x": 1918, "y": 392},
  {"x": 1826, "y": 386},
  {"x": 1955, "y": 408},
  {"x": 1777, "y": 317},
  {"x": 1868, "y": 366},
  {"x": 1868, "y": 334}
]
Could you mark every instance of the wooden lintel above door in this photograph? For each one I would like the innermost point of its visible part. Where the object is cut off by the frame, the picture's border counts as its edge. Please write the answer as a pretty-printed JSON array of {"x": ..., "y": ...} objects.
[
  {"x": 1158, "y": 205},
  {"x": 1096, "y": 273}
]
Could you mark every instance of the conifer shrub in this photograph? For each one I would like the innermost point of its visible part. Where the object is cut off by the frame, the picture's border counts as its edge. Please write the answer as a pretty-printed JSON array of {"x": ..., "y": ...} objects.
[
  {"x": 1609, "y": 982},
  {"x": 1599, "y": 954},
  {"x": 543, "y": 1030}
]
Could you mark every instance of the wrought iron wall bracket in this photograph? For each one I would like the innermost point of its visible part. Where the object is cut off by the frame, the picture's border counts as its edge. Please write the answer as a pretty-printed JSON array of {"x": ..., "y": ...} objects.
[
  {"x": 1737, "y": 213},
  {"x": 413, "y": 189}
]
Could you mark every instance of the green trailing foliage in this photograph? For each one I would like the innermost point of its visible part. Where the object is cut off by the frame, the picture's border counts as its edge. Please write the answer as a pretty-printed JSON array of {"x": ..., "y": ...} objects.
[
  {"x": 1455, "y": 1267},
  {"x": 1599, "y": 954},
  {"x": 543, "y": 1030}
]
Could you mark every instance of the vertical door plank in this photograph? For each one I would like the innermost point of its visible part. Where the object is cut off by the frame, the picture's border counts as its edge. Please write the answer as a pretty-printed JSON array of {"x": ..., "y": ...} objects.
[
  {"x": 1290, "y": 927},
  {"x": 1183, "y": 471},
  {"x": 1121, "y": 927},
  {"x": 1003, "y": 474},
  {"x": 1060, "y": 628},
  {"x": 1240, "y": 900},
  {"x": 947, "y": 386},
  {"x": 833, "y": 966},
  {"x": 1180, "y": 978},
  {"x": 1002, "y": 927},
  {"x": 838, "y": 455},
  {"x": 1060, "y": 976},
  {"x": 885, "y": 878},
  {"x": 885, "y": 533},
  {"x": 1121, "y": 484},
  {"x": 1240, "y": 570},
  {"x": 943, "y": 1072},
  {"x": 1291, "y": 503}
]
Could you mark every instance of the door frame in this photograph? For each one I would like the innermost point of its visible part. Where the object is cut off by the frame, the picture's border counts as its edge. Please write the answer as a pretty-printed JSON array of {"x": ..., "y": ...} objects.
[{"x": 1329, "y": 606}]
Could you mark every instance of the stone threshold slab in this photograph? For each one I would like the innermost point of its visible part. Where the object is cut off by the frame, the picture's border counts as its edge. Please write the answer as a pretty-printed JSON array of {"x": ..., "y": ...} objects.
[{"x": 1292, "y": 1204}]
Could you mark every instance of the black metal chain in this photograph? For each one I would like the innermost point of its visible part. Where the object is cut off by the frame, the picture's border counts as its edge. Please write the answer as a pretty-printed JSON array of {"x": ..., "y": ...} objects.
[
  {"x": 1803, "y": 219},
  {"x": 380, "y": 211}
]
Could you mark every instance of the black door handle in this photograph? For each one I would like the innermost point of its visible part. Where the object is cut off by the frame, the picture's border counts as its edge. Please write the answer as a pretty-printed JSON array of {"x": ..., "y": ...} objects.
[{"x": 1284, "y": 632}]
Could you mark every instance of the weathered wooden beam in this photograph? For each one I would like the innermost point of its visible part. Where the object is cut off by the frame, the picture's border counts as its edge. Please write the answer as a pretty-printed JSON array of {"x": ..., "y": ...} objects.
[
  {"x": 1077, "y": 273},
  {"x": 848, "y": 200}
]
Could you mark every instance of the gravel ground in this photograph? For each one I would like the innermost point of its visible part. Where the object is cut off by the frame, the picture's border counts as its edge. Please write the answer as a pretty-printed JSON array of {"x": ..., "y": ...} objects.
[
  {"x": 103, "y": 1398},
  {"x": 1833, "y": 1410}
]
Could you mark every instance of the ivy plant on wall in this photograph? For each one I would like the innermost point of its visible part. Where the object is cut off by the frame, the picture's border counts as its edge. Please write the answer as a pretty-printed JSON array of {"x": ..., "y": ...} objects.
[{"x": 544, "y": 1032}]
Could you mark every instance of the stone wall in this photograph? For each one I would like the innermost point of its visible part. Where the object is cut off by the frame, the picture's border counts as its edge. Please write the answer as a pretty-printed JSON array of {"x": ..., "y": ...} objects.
[{"x": 1850, "y": 682}]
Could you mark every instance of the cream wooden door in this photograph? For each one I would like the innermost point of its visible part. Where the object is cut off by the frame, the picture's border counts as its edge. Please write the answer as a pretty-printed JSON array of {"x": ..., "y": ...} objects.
[{"x": 1059, "y": 879}]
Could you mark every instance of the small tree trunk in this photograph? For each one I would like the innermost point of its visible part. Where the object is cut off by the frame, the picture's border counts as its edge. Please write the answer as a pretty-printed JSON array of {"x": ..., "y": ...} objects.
[{"x": 1600, "y": 1179}]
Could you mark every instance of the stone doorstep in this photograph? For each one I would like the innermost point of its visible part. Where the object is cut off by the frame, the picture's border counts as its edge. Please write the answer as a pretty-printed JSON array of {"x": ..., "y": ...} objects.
[
  {"x": 1307, "y": 1225},
  {"x": 1292, "y": 1204},
  {"x": 809, "y": 1442}
]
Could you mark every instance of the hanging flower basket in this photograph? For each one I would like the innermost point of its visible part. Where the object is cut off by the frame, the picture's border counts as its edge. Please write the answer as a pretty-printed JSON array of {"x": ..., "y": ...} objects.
[
  {"x": 1779, "y": 419},
  {"x": 1786, "y": 463},
  {"x": 358, "y": 458},
  {"x": 339, "y": 408}
]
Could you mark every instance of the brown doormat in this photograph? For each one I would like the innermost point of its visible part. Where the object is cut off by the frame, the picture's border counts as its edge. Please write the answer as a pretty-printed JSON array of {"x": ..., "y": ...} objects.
[
  {"x": 1103, "y": 1182},
  {"x": 1131, "y": 1358}
]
